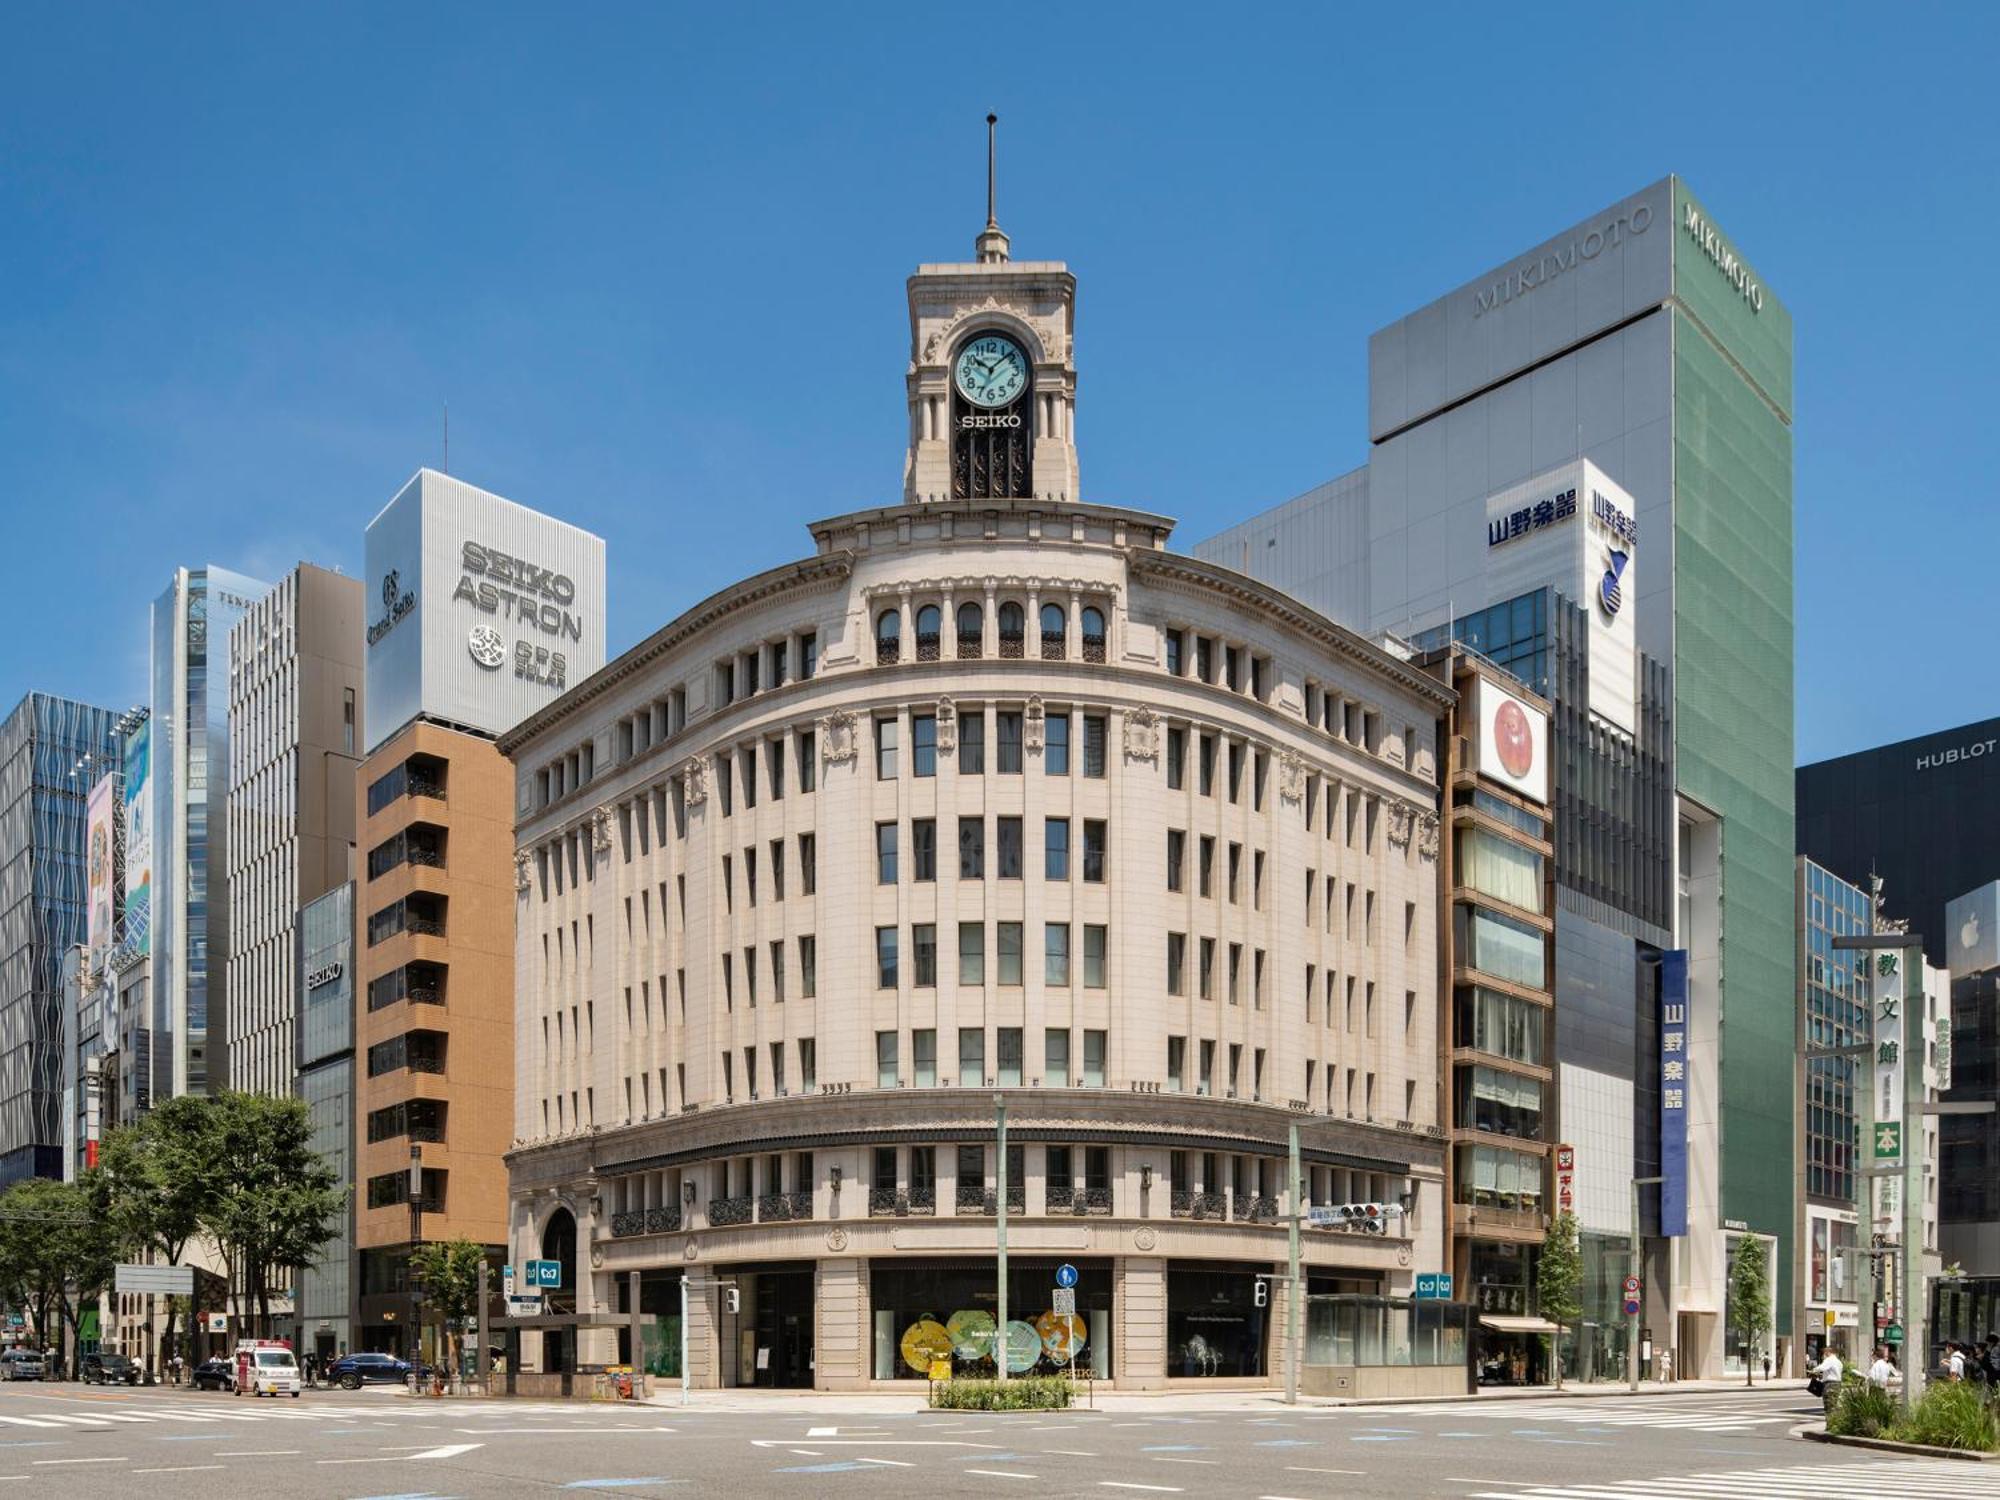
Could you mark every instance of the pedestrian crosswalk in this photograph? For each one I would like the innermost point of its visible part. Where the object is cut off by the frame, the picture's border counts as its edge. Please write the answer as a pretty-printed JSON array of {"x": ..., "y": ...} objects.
[
  {"x": 1880, "y": 1479},
  {"x": 1612, "y": 1412}
]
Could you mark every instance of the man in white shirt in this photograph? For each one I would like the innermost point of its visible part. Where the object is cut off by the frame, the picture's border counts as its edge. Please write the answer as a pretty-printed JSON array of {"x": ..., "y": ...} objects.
[
  {"x": 1882, "y": 1371},
  {"x": 1828, "y": 1373},
  {"x": 1954, "y": 1362}
]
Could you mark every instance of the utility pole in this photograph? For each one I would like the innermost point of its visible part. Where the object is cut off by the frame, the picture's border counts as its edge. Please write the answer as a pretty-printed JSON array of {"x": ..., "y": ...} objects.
[
  {"x": 416, "y": 1194},
  {"x": 1294, "y": 1288},
  {"x": 1000, "y": 1320},
  {"x": 1632, "y": 1318},
  {"x": 684, "y": 1338}
]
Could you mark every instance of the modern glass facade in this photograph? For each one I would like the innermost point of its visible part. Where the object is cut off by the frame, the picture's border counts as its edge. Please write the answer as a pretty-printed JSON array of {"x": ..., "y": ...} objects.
[
  {"x": 52, "y": 751},
  {"x": 326, "y": 1082},
  {"x": 1834, "y": 1014}
]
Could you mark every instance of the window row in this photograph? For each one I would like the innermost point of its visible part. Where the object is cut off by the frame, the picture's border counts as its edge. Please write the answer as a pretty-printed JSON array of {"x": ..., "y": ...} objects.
[
  {"x": 1205, "y": 949},
  {"x": 766, "y": 665},
  {"x": 774, "y": 972},
  {"x": 1213, "y": 752},
  {"x": 747, "y": 766},
  {"x": 1006, "y": 952},
  {"x": 1218, "y": 663},
  {"x": 774, "y": 866},
  {"x": 1008, "y": 850},
  {"x": 1032, "y": 727},
  {"x": 1205, "y": 846},
  {"x": 1060, "y": 1067},
  {"x": 774, "y": 1056},
  {"x": 968, "y": 633}
]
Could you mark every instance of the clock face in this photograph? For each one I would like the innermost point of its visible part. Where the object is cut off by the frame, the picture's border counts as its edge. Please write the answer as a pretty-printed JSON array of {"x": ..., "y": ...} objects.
[{"x": 991, "y": 370}]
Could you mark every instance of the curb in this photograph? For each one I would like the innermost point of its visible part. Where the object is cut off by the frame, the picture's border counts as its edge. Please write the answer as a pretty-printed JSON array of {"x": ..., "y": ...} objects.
[
  {"x": 1566, "y": 1393},
  {"x": 1884, "y": 1445}
]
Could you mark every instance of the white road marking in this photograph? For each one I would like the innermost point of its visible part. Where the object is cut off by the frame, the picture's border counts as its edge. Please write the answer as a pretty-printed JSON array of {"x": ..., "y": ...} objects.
[
  {"x": 259, "y": 1453},
  {"x": 47, "y": 1461},
  {"x": 809, "y": 1453},
  {"x": 1296, "y": 1469},
  {"x": 1070, "y": 1452},
  {"x": 1159, "y": 1458},
  {"x": 450, "y": 1450},
  {"x": 1164, "y": 1489},
  {"x": 1001, "y": 1474},
  {"x": 813, "y": 1432},
  {"x": 181, "y": 1469},
  {"x": 895, "y": 1462}
]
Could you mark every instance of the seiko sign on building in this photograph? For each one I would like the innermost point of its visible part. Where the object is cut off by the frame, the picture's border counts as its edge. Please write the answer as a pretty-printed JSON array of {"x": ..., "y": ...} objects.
[{"x": 488, "y": 610}]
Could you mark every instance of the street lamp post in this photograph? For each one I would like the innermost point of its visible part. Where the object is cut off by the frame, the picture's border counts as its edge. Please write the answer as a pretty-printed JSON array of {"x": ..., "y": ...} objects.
[
  {"x": 1632, "y": 1318},
  {"x": 1000, "y": 1212},
  {"x": 416, "y": 1196}
]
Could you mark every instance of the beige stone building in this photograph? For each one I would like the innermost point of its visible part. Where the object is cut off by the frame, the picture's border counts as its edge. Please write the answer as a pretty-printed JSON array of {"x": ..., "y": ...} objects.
[{"x": 990, "y": 798}]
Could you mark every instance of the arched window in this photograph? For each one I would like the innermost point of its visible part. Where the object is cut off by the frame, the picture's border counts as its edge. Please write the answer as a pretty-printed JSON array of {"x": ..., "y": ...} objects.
[
  {"x": 558, "y": 1245},
  {"x": 1093, "y": 633},
  {"x": 929, "y": 623},
  {"x": 888, "y": 637},
  {"x": 971, "y": 619},
  {"x": 1013, "y": 629},
  {"x": 1055, "y": 624}
]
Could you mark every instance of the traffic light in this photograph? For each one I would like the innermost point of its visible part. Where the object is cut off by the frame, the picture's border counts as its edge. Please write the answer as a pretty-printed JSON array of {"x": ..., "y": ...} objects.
[
  {"x": 1263, "y": 1294},
  {"x": 732, "y": 1300}
]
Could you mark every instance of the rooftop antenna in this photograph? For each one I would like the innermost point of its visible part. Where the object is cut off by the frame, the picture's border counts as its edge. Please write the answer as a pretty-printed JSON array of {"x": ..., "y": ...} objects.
[{"x": 991, "y": 244}]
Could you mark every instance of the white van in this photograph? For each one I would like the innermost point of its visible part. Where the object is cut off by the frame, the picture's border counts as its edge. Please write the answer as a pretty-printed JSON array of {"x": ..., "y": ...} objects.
[{"x": 266, "y": 1367}]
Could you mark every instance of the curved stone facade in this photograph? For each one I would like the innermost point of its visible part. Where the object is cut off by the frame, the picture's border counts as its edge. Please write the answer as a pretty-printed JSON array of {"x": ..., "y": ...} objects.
[{"x": 989, "y": 800}]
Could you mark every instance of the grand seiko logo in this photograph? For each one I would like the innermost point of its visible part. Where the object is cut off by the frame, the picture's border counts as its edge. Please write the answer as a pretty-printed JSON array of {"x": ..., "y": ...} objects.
[
  {"x": 397, "y": 602},
  {"x": 1717, "y": 249},
  {"x": 1544, "y": 268}
]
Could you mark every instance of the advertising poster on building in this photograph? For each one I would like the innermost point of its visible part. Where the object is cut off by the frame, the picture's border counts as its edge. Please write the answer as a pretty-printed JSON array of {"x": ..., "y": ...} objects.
[
  {"x": 1673, "y": 1092},
  {"x": 100, "y": 845},
  {"x": 139, "y": 836},
  {"x": 1513, "y": 742},
  {"x": 1972, "y": 930}
]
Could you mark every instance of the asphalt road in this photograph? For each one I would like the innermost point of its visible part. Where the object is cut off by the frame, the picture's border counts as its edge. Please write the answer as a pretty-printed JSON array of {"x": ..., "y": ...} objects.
[{"x": 379, "y": 1445}]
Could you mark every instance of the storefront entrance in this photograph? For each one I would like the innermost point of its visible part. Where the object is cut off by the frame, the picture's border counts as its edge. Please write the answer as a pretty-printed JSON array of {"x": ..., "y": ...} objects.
[
  {"x": 1214, "y": 1326},
  {"x": 784, "y": 1346}
]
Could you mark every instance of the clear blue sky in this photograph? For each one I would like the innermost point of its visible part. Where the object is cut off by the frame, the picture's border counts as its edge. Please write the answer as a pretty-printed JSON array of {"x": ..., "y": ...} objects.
[{"x": 247, "y": 254}]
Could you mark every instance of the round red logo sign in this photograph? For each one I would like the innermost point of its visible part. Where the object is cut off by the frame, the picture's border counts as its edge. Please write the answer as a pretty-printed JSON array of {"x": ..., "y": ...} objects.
[{"x": 1514, "y": 738}]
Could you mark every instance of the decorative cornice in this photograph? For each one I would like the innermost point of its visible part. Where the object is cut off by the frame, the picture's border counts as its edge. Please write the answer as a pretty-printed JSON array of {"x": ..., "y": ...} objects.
[{"x": 984, "y": 582}]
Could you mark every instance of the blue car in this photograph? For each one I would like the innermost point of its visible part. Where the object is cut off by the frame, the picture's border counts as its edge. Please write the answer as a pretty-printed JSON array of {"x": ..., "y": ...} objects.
[{"x": 356, "y": 1370}]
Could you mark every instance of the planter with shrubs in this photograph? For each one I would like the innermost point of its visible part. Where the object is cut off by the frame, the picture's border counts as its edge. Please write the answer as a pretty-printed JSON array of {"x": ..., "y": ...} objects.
[{"x": 1025, "y": 1393}]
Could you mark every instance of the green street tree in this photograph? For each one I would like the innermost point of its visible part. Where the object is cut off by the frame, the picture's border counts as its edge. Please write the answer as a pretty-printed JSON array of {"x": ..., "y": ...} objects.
[
  {"x": 1750, "y": 1300},
  {"x": 156, "y": 1178},
  {"x": 273, "y": 1200},
  {"x": 448, "y": 1272},
  {"x": 1559, "y": 1279},
  {"x": 56, "y": 1253}
]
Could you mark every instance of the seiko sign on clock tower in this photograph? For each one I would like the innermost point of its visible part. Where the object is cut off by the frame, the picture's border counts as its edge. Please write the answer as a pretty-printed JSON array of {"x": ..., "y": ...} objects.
[{"x": 992, "y": 384}]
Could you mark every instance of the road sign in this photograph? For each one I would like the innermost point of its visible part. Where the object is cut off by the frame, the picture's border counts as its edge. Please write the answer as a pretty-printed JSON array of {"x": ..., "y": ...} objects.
[
  {"x": 1565, "y": 1158},
  {"x": 1894, "y": 1334},
  {"x": 1434, "y": 1285},
  {"x": 1062, "y": 1301},
  {"x": 1888, "y": 1139},
  {"x": 544, "y": 1273},
  {"x": 218, "y": 1322},
  {"x": 167, "y": 1281},
  {"x": 1631, "y": 1308},
  {"x": 525, "y": 1307},
  {"x": 1631, "y": 1286},
  {"x": 1065, "y": 1277}
]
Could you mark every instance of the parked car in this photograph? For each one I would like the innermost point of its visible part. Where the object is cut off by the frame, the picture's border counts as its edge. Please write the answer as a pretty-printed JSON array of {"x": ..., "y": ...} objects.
[
  {"x": 353, "y": 1371},
  {"x": 214, "y": 1375},
  {"x": 108, "y": 1369},
  {"x": 21, "y": 1364}
]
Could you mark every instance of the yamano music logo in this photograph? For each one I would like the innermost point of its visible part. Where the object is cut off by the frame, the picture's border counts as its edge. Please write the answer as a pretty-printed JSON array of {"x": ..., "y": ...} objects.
[{"x": 1610, "y": 593}]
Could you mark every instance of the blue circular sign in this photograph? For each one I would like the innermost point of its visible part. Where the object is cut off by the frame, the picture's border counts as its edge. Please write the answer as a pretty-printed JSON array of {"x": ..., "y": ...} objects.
[{"x": 1065, "y": 1276}]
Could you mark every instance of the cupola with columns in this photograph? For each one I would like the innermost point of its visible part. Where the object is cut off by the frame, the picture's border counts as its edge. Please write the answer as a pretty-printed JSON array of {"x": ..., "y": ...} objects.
[{"x": 992, "y": 377}]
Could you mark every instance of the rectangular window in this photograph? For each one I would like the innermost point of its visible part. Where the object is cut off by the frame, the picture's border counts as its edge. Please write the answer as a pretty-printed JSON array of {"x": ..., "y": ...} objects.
[
  {"x": 1174, "y": 652},
  {"x": 886, "y": 1068},
  {"x": 1498, "y": 868},
  {"x": 1095, "y": 1046},
  {"x": 808, "y": 863},
  {"x": 972, "y": 742},
  {"x": 1096, "y": 941},
  {"x": 1007, "y": 723},
  {"x": 971, "y": 1057},
  {"x": 1055, "y": 744},
  {"x": 1235, "y": 971},
  {"x": 885, "y": 957},
  {"x": 923, "y": 1056},
  {"x": 777, "y": 869},
  {"x": 808, "y": 1065},
  {"x": 1257, "y": 879},
  {"x": 923, "y": 849},
  {"x": 808, "y": 653},
  {"x": 971, "y": 953},
  {"x": 1492, "y": 1022},
  {"x": 1009, "y": 1040},
  {"x": 885, "y": 853},
  {"x": 1176, "y": 759},
  {"x": 1207, "y": 768},
  {"x": 971, "y": 848},
  {"x": 972, "y": 1162},
  {"x": 1235, "y": 870},
  {"x": 1094, "y": 841},
  {"x": 1204, "y": 658},
  {"x": 1176, "y": 963},
  {"x": 1176, "y": 858},
  {"x": 1207, "y": 1084},
  {"x": 1095, "y": 731},
  {"x": 747, "y": 763},
  {"x": 1257, "y": 979},
  {"x": 923, "y": 744},
  {"x": 1009, "y": 936},
  {"x": 1010, "y": 848},
  {"x": 1236, "y": 770},
  {"x": 1206, "y": 885},
  {"x": 1502, "y": 947},
  {"x": 1055, "y": 1058},
  {"x": 1055, "y": 967},
  {"x": 808, "y": 759},
  {"x": 774, "y": 767},
  {"x": 923, "y": 950},
  {"x": 808, "y": 966},
  {"x": 1207, "y": 975},
  {"x": 1177, "y": 1069},
  {"x": 1055, "y": 849},
  {"x": 885, "y": 749}
]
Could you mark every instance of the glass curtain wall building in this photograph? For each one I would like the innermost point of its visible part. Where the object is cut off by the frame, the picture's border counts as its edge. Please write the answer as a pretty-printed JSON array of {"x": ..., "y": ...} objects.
[
  {"x": 325, "y": 1021},
  {"x": 52, "y": 752},
  {"x": 189, "y": 767}
]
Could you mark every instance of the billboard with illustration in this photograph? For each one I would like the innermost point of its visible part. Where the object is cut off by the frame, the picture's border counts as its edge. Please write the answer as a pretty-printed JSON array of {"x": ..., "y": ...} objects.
[
  {"x": 139, "y": 837},
  {"x": 100, "y": 868}
]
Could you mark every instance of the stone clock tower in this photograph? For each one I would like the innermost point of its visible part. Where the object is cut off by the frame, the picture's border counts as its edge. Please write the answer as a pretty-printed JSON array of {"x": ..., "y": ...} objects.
[{"x": 992, "y": 378}]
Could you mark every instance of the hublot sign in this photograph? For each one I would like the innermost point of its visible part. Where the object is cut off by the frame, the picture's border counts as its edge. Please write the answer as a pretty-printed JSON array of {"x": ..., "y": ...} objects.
[{"x": 1958, "y": 754}]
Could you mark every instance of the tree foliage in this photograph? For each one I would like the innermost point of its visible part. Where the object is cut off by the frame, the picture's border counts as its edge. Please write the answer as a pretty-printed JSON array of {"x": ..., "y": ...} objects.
[
  {"x": 56, "y": 1253},
  {"x": 1559, "y": 1278},
  {"x": 447, "y": 1271},
  {"x": 1750, "y": 1299}
]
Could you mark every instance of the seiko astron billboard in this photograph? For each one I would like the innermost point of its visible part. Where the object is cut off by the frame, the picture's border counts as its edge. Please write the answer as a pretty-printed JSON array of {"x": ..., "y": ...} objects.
[{"x": 481, "y": 611}]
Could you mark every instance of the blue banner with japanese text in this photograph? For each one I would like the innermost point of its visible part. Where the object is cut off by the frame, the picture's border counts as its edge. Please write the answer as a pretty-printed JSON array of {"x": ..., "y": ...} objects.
[{"x": 1673, "y": 1092}]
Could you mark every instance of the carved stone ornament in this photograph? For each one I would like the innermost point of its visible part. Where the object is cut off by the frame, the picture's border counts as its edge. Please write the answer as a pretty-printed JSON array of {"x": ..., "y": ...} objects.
[
  {"x": 689, "y": 1249},
  {"x": 1142, "y": 734},
  {"x": 1291, "y": 777},
  {"x": 1402, "y": 1255},
  {"x": 596, "y": 1257},
  {"x": 1037, "y": 726},
  {"x": 1401, "y": 818},
  {"x": 1427, "y": 834},
  {"x": 521, "y": 862},
  {"x": 836, "y": 1240},
  {"x": 1144, "y": 1239},
  {"x": 931, "y": 345},
  {"x": 694, "y": 780},
  {"x": 836, "y": 738},
  {"x": 600, "y": 830},
  {"x": 947, "y": 727}
]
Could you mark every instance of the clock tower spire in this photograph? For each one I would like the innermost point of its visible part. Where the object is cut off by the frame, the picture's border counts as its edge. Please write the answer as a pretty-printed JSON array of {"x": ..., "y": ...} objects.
[{"x": 992, "y": 380}]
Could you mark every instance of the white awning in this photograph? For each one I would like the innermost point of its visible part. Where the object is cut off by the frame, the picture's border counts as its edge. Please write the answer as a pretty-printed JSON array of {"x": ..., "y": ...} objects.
[{"x": 1500, "y": 1323}]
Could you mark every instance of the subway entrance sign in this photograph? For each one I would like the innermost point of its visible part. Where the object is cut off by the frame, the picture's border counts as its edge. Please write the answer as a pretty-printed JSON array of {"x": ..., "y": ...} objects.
[{"x": 1434, "y": 1285}]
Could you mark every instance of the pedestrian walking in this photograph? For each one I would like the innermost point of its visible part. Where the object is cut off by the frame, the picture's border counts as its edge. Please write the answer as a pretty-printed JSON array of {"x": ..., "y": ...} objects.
[
  {"x": 1826, "y": 1378},
  {"x": 1954, "y": 1362},
  {"x": 1883, "y": 1371}
]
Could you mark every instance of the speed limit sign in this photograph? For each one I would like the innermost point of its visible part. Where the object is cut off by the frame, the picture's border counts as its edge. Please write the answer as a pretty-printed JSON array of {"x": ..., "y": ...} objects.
[{"x": 1631, "y": 1286}]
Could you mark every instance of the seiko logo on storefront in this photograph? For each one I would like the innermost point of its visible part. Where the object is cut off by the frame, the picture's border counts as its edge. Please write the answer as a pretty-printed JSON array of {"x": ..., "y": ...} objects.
[
  {"x": 320, "y": 978},
  {"x": 518, "y": 590},
  {"x": 1545, "y": 268},
  {"x": 397, "y": 602},
  {"x": 1960, "y": 753},
  {"x": 969, "y": 420},
  {"x": 1716, "y": 248}
]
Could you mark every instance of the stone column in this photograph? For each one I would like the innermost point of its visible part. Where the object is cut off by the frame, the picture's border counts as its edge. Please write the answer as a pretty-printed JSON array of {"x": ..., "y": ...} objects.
[{"x": 1139, "y": 1317}]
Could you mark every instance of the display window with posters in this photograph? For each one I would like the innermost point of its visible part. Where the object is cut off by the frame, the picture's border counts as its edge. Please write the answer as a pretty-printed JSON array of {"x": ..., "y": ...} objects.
[
  {"x": 1214, "y": 1326},
  {"x": 927, "y": 1313}
]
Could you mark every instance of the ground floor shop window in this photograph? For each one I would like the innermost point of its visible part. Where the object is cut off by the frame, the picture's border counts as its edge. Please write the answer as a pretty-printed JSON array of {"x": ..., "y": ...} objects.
[
  {"x": 926, "y": 1315},
  {"x": 660, "y": 1295},
  {"x": 1214, "y": 1326}
]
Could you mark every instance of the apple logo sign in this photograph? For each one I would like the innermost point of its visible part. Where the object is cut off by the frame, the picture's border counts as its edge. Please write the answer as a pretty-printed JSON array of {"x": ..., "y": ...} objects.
[
  {"x": 1968, "y": 934},
  {"x": 1513, "y": 738}
]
